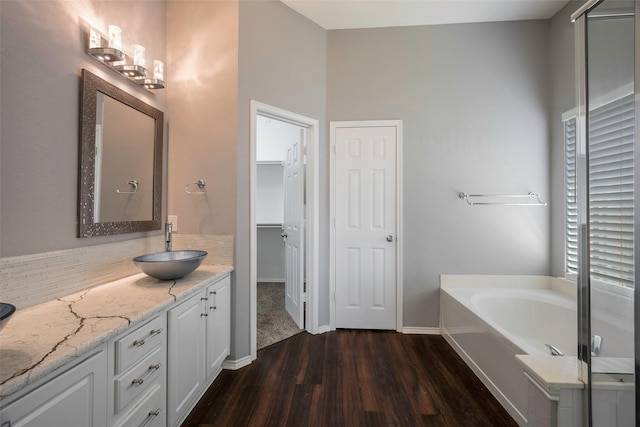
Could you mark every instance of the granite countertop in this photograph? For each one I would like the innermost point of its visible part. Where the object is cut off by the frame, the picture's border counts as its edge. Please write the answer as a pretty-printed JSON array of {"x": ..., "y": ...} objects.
[{"x": 39, "y": 339}]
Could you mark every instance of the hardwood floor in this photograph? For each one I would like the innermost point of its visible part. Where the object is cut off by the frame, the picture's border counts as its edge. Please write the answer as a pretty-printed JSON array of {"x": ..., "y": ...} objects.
[{"x": 351, "y": 378}]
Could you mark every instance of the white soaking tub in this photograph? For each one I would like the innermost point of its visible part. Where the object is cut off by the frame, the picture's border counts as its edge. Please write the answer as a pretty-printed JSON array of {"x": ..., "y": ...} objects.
[{"x": 489, "y": 320}]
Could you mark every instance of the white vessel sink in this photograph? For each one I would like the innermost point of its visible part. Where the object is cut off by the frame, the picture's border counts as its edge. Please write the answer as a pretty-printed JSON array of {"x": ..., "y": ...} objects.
[{"x": 170, "y": 265}]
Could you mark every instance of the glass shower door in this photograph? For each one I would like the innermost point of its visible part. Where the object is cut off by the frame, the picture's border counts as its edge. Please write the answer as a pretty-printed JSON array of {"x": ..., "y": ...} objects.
[{"x": 610, "y": 124}]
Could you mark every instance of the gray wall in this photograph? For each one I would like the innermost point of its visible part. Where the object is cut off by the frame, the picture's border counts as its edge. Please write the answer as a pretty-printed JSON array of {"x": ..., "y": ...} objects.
[
  {"x": 202, "y": 88},
  {"x": 474, "y": 101},
  {"x": 43, "y": 53},
  {"x": 563, "y": 98},
  {"x": 281, "y": 62}
]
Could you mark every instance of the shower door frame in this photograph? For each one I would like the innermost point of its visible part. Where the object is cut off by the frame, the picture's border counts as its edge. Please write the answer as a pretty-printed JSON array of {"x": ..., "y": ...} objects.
[{"x": 582, "y": 163}]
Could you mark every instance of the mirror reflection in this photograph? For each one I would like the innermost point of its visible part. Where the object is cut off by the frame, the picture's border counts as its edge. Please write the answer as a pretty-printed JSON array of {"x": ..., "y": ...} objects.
[
  {"x": 124, "y": 168},
  {"x": 121, "y": 161}
]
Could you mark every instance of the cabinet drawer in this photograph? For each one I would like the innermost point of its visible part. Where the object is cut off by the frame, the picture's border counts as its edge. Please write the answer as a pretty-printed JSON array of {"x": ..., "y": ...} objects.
[
  {"x": 149, "y": 412},
  {"x": 135, "y": 381},
  {"x": 136, "y": 344}
]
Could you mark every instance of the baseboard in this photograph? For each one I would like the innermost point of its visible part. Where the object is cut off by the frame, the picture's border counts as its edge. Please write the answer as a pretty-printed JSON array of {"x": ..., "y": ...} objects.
[
  {"x": 323, "y": 329},
  {"x": 421, "y": 330},
  {"x": 234, "y": 365}
]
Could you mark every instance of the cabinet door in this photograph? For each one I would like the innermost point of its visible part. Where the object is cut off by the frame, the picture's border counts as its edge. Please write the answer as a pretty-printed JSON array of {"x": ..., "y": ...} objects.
[
  {"x": 218, "y": 325},
  {"x": 185, "y": 356},
  {"x": 76, "y": 398}
]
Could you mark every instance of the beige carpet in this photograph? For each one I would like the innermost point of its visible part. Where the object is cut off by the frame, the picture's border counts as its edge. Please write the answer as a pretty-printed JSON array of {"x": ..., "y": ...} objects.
[{"x": 274, "y": 323}]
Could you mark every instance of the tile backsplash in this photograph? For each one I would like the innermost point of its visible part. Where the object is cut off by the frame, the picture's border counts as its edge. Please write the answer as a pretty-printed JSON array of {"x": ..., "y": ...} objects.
[{"x": 33, "y": 279}]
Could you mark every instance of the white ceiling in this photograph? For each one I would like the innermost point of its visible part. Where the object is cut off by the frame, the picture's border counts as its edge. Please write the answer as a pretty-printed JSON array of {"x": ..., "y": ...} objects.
[{"x": 344, "y": 14}]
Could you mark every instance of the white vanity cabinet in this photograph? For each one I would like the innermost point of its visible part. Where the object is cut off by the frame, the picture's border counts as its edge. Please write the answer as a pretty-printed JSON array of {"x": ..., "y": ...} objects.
[
  {"x": 199, "y": 340},
  {"x": 150, "y": 374},
  {"x": 74, "y": 398},
  {"x": 137, "y": 375},
  {"x": 218, "y": 326}
]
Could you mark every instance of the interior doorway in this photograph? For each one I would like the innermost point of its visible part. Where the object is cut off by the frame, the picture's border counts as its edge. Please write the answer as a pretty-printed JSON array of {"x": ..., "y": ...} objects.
[
  {"x": 284, "y": 214},
  {"x": 366, "y": 234},
  {"x": 280, "y": 164}
]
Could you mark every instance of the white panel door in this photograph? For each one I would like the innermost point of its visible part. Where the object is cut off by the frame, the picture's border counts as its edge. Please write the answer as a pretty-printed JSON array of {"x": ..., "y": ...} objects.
[
  {"x": 293, "y": 232},
  {"x": 365, "y": 227}
]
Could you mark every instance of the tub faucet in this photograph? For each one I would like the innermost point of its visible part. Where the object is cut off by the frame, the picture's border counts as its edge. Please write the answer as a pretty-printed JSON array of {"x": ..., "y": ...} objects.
[
  {"x": 167, "y": 235},
  {"x": 596, "y": 345},
  {"x": 554, "y": 350}
]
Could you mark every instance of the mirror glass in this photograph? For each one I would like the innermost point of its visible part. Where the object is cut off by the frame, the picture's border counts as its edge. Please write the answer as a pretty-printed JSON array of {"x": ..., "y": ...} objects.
[{"x": 120, "y": 161}]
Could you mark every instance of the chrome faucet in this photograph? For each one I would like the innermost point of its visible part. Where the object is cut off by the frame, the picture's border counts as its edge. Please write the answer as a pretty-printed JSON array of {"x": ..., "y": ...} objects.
[
  {"x": 167, "y": 235},
  {"x": 554, "y": 350}
]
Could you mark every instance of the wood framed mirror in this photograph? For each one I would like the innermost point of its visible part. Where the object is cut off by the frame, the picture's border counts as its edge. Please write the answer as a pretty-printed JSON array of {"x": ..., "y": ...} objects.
[{"x": 120, "y": 173}]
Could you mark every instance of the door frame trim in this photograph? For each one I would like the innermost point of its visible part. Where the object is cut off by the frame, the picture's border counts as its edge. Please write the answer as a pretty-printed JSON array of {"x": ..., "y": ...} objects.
[
  {"x": 334, "y": 125},
  {"x": 312, "y": 214}
]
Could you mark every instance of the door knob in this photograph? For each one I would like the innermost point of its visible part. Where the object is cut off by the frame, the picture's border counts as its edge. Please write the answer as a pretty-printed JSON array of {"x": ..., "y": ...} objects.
[{"x": 389, "y": 238}]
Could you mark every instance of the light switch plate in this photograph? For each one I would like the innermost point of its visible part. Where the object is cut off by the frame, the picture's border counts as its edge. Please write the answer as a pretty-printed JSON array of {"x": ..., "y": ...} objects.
[{"x": 173, "y": 219}]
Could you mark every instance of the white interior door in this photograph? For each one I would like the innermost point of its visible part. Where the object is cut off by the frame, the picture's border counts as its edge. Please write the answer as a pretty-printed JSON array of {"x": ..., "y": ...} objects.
[
  {"x": 293, "y": 232},
  {"x": 365, "y": 227}
]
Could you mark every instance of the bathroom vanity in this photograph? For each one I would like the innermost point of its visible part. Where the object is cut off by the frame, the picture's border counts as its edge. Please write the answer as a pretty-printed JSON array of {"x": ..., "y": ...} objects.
[{"x": 136, "y": 351}]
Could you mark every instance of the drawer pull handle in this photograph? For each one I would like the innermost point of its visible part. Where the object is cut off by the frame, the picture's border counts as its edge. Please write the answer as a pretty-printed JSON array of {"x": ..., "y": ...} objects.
[
  {"x": 150, "y": 417},
  {"x": 204, "y": 299},
  {"x": 138, "y": 381},
  {"x": 213, "y": 292},
  {"x": 140, "y": 342},
  {"x": 203, "y": 314}
]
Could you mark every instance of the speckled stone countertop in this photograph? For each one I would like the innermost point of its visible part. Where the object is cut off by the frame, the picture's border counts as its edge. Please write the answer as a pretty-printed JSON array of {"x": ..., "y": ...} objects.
[{"x": 39, "y": 339}]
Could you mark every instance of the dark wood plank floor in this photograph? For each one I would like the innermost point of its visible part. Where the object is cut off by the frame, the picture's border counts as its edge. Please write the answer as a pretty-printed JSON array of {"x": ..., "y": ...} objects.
[{"x": 351, "y": 378}]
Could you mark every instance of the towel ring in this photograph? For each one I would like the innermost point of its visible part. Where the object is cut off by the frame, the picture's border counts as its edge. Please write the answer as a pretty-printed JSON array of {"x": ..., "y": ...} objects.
[
  {"x": 134, "y": 185},
  {"x": 200, "y": 183}
]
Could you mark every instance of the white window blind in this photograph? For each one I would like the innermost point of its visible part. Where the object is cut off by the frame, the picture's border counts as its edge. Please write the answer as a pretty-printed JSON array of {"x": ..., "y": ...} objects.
[
  {"x": 611, "y": 134},
  {"x": 571, "y": 239}
]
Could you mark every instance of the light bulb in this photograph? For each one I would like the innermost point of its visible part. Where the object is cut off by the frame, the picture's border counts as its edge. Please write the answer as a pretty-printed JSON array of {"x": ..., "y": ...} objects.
[
  {"x": 95, "y": 39},
  {"x": 138, "y": 55},
  {"x": 115, "y": 37},
  {"x": 158, "y": 70}
]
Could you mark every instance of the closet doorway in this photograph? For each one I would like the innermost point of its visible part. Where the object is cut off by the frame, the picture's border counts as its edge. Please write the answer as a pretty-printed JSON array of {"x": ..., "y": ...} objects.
[{"x": 283, "y": 224}]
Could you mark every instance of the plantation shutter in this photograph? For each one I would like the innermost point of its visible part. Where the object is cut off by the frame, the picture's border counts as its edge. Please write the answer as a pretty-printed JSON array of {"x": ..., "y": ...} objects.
[
  {"x": 611, "y": 134},
  {"x": 571, "y": 240}
]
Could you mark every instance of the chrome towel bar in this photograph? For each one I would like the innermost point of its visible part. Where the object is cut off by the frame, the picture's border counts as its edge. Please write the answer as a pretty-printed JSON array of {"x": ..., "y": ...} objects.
[{"x": 494, "y": 199}]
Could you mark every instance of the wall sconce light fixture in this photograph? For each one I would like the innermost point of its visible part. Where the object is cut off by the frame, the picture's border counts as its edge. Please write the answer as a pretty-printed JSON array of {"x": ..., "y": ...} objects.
[{"x": 113, "y": 56}]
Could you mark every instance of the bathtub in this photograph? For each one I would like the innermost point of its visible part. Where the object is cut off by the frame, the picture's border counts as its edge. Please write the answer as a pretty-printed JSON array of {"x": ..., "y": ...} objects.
[{"x": 489, "y": 320}]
